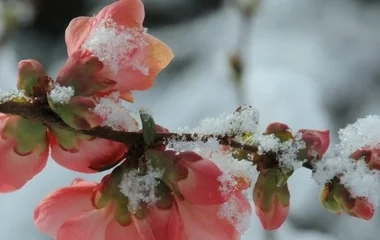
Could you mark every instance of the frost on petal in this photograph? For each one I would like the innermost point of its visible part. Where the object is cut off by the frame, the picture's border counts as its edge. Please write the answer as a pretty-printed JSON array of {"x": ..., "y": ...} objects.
[
  {"x": 62, "y": 205},
  {"x": 237, "y": 211},
  {"x": 236, "y": 174},
  {"x": 87, "y": 154},
  {"x": 90, "y": 225},
  {"x": 24, "y": 151},
  {"x": 354, "y": 171},
  {"x": 365, "y": 132},
  {"x": 144, "y": 65},
  {"x": 140, "y": 188},
  {"x": 61, "y": 94},
  {"x": 114, "y": 44},
  {"x": 114, "y": 114},
  {"x": 353, "y": 174},
  {"x": 76, "y": 33}
]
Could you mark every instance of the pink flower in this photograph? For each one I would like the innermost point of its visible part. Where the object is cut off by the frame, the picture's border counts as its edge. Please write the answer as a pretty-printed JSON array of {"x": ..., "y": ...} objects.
[
  {"x": 202, "y": 201},
  {"x": 112, "y": 52},
  {"x": 214, "y": 222},
  {"x": 24, "y": 151},
  {"x": 97, "y": 215},
  {"x": 181, "y": 212}
]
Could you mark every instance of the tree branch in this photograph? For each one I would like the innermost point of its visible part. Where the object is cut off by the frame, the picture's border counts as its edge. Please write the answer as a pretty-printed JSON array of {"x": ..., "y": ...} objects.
[{"x": 39, "y": 112}]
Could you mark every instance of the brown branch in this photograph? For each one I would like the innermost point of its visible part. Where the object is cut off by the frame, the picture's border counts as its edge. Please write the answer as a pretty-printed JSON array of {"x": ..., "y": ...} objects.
[{"x": 39, "y": 112}]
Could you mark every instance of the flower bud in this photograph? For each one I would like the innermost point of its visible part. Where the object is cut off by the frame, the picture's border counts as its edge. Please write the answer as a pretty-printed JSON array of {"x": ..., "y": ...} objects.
[
  {"x": 272, "y": 202},
  {"x": 317, "y": 144},
  {"x": 357, "y": 207},
  {"x": 32, "y": 78},
  {"x": 370, "y": 156},
  {"x": 280, "y": 130}
]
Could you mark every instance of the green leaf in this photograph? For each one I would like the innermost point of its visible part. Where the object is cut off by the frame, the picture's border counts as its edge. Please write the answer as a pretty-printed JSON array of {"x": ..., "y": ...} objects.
[{"x": 149, "y": 128}]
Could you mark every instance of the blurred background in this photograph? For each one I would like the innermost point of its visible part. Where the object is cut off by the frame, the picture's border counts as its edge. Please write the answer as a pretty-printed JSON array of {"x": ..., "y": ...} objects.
[{"x": 307, "y": 63}]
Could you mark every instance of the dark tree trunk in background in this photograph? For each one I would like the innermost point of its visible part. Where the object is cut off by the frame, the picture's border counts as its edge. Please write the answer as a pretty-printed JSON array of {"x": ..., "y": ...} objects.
[{"x": 53, "y": 16}]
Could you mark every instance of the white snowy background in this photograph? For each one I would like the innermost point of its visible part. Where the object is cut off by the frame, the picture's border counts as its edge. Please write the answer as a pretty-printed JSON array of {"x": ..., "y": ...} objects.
[{"x": 308, "y": 63}]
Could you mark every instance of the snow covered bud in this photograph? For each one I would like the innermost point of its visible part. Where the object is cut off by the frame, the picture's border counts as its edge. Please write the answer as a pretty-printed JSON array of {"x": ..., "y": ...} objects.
[
  {"x": 317, "y": 144},
  {"x": 370, "y": 155},
  {"x": 280, "y": 130},
  {"x": 357, "y": 207},
  {"x": 271, "y": 201},
  {"x": 32, "y": 78}
]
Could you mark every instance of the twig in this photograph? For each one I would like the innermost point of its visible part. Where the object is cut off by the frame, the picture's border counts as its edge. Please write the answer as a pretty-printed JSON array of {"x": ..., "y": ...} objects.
[{"x": 43, "y": 114}]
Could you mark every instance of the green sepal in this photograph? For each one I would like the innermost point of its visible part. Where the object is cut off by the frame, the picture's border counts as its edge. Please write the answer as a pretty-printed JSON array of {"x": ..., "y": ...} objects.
[
  {"x": 68, "y": 140},
  {"x": 78, "y": 113},
  {"x": 148, "y": 128},
  {"x": 28, "y": 135}
]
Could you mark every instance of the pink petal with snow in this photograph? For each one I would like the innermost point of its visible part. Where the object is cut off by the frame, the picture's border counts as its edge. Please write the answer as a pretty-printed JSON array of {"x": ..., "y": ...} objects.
[
  {"x": 140, "y": 71},
  {"x": 204, "y": 222}
]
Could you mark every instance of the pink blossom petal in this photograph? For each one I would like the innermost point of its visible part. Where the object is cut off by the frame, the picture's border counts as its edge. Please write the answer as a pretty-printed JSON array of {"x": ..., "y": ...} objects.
[
  {"x": 202, "y": 185},
  {"x": 128, "y": 13},
  {"x": 175, "y": 227},
  {"x": 76, "y": 33},
  {"x": 152, "y": 59},
  {"x": 61, "y": 205},
  {"x": 155, "y": 226},
  {"x": 88, "y": 226},
  {"x": 115, "y": 231},
  {"x": 273, "y": 219},
  {"x": 203, "y": 222},
  {"x": 17, "y": 169},
  {"x": 93, "y": 154}
]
